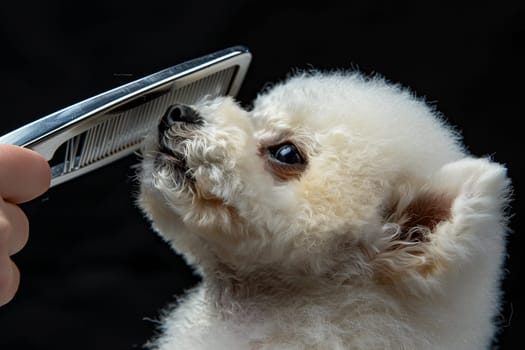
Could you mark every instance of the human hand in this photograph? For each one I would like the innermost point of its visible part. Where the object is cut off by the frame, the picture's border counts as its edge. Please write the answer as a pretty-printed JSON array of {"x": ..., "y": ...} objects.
[{"x": 24, "y": 175}]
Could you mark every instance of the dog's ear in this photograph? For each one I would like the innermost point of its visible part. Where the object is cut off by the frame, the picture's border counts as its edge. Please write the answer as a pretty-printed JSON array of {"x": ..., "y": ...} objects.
[
  {"x": 411, "y": 219},
  {"x": 442, "y": 222}
]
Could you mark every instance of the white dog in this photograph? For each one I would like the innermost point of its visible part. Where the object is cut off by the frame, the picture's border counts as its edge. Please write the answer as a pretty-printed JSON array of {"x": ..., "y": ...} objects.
[{"x": 341, "y": 212}]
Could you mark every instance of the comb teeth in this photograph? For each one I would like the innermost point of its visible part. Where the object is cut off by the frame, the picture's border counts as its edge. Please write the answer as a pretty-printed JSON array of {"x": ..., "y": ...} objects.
[{"x": 122, "y": 130}]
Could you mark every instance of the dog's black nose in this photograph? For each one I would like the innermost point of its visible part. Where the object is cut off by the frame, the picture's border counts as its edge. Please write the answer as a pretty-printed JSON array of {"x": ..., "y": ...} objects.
[{"x": 178, "y": 113}]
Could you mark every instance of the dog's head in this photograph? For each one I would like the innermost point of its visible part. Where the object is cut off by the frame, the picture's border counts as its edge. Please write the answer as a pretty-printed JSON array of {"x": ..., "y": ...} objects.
[{"x": 324, "y": 170}]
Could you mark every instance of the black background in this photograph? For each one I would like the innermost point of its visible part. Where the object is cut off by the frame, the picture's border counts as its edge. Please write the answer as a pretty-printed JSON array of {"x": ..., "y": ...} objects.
[{"x": 94, "y": 276}]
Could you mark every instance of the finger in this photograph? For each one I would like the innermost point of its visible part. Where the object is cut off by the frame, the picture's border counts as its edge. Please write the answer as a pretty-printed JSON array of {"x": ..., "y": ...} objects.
[
  {"x": 14, "y": 228},
  {"x": 9, "y": 280},
  {"x": 24, "y": 174}
]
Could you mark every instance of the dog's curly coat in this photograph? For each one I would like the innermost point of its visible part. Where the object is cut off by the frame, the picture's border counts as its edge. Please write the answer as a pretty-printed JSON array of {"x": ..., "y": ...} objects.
[{"x": 341, "y": 212}]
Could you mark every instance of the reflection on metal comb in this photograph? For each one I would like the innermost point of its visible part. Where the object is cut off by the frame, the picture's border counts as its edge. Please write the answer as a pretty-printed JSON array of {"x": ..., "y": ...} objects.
[{"x": 109, "y": 126}]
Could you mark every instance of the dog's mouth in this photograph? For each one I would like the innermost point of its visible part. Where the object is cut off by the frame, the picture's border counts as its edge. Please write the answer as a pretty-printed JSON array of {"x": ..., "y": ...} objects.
[{"x": 166, "y": 157}]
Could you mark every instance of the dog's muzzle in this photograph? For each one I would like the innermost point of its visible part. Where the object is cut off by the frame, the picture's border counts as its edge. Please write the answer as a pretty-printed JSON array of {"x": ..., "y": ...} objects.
[
  {"x": 176, "y": 123},
  {"x": 175, "y": 126},
  {"x": 178, "y": 113}
]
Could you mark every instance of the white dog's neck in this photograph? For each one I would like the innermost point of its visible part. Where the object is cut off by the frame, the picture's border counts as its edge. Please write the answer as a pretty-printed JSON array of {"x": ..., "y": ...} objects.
[
  {"x": 260, "y": 295},
  {"x": 263, "y": 281},
  {"x": 265, "y": 285}
]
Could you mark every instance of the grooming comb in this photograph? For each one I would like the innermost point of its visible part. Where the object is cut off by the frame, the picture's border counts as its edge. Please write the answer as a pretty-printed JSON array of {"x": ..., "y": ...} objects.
[{"x": 102, "y": 129}]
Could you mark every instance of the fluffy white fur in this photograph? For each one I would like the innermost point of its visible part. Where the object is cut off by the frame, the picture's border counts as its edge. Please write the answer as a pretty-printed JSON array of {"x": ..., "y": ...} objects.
[{"x": 387, "y": 236}]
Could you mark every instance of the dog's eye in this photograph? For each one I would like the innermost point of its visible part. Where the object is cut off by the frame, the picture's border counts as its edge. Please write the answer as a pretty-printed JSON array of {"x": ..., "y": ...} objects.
[{"x": 286, "y": 153}]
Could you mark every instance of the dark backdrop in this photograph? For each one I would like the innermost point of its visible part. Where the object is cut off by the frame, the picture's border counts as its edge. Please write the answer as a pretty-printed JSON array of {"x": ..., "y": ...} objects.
[{"x": 94, "y": 274}]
